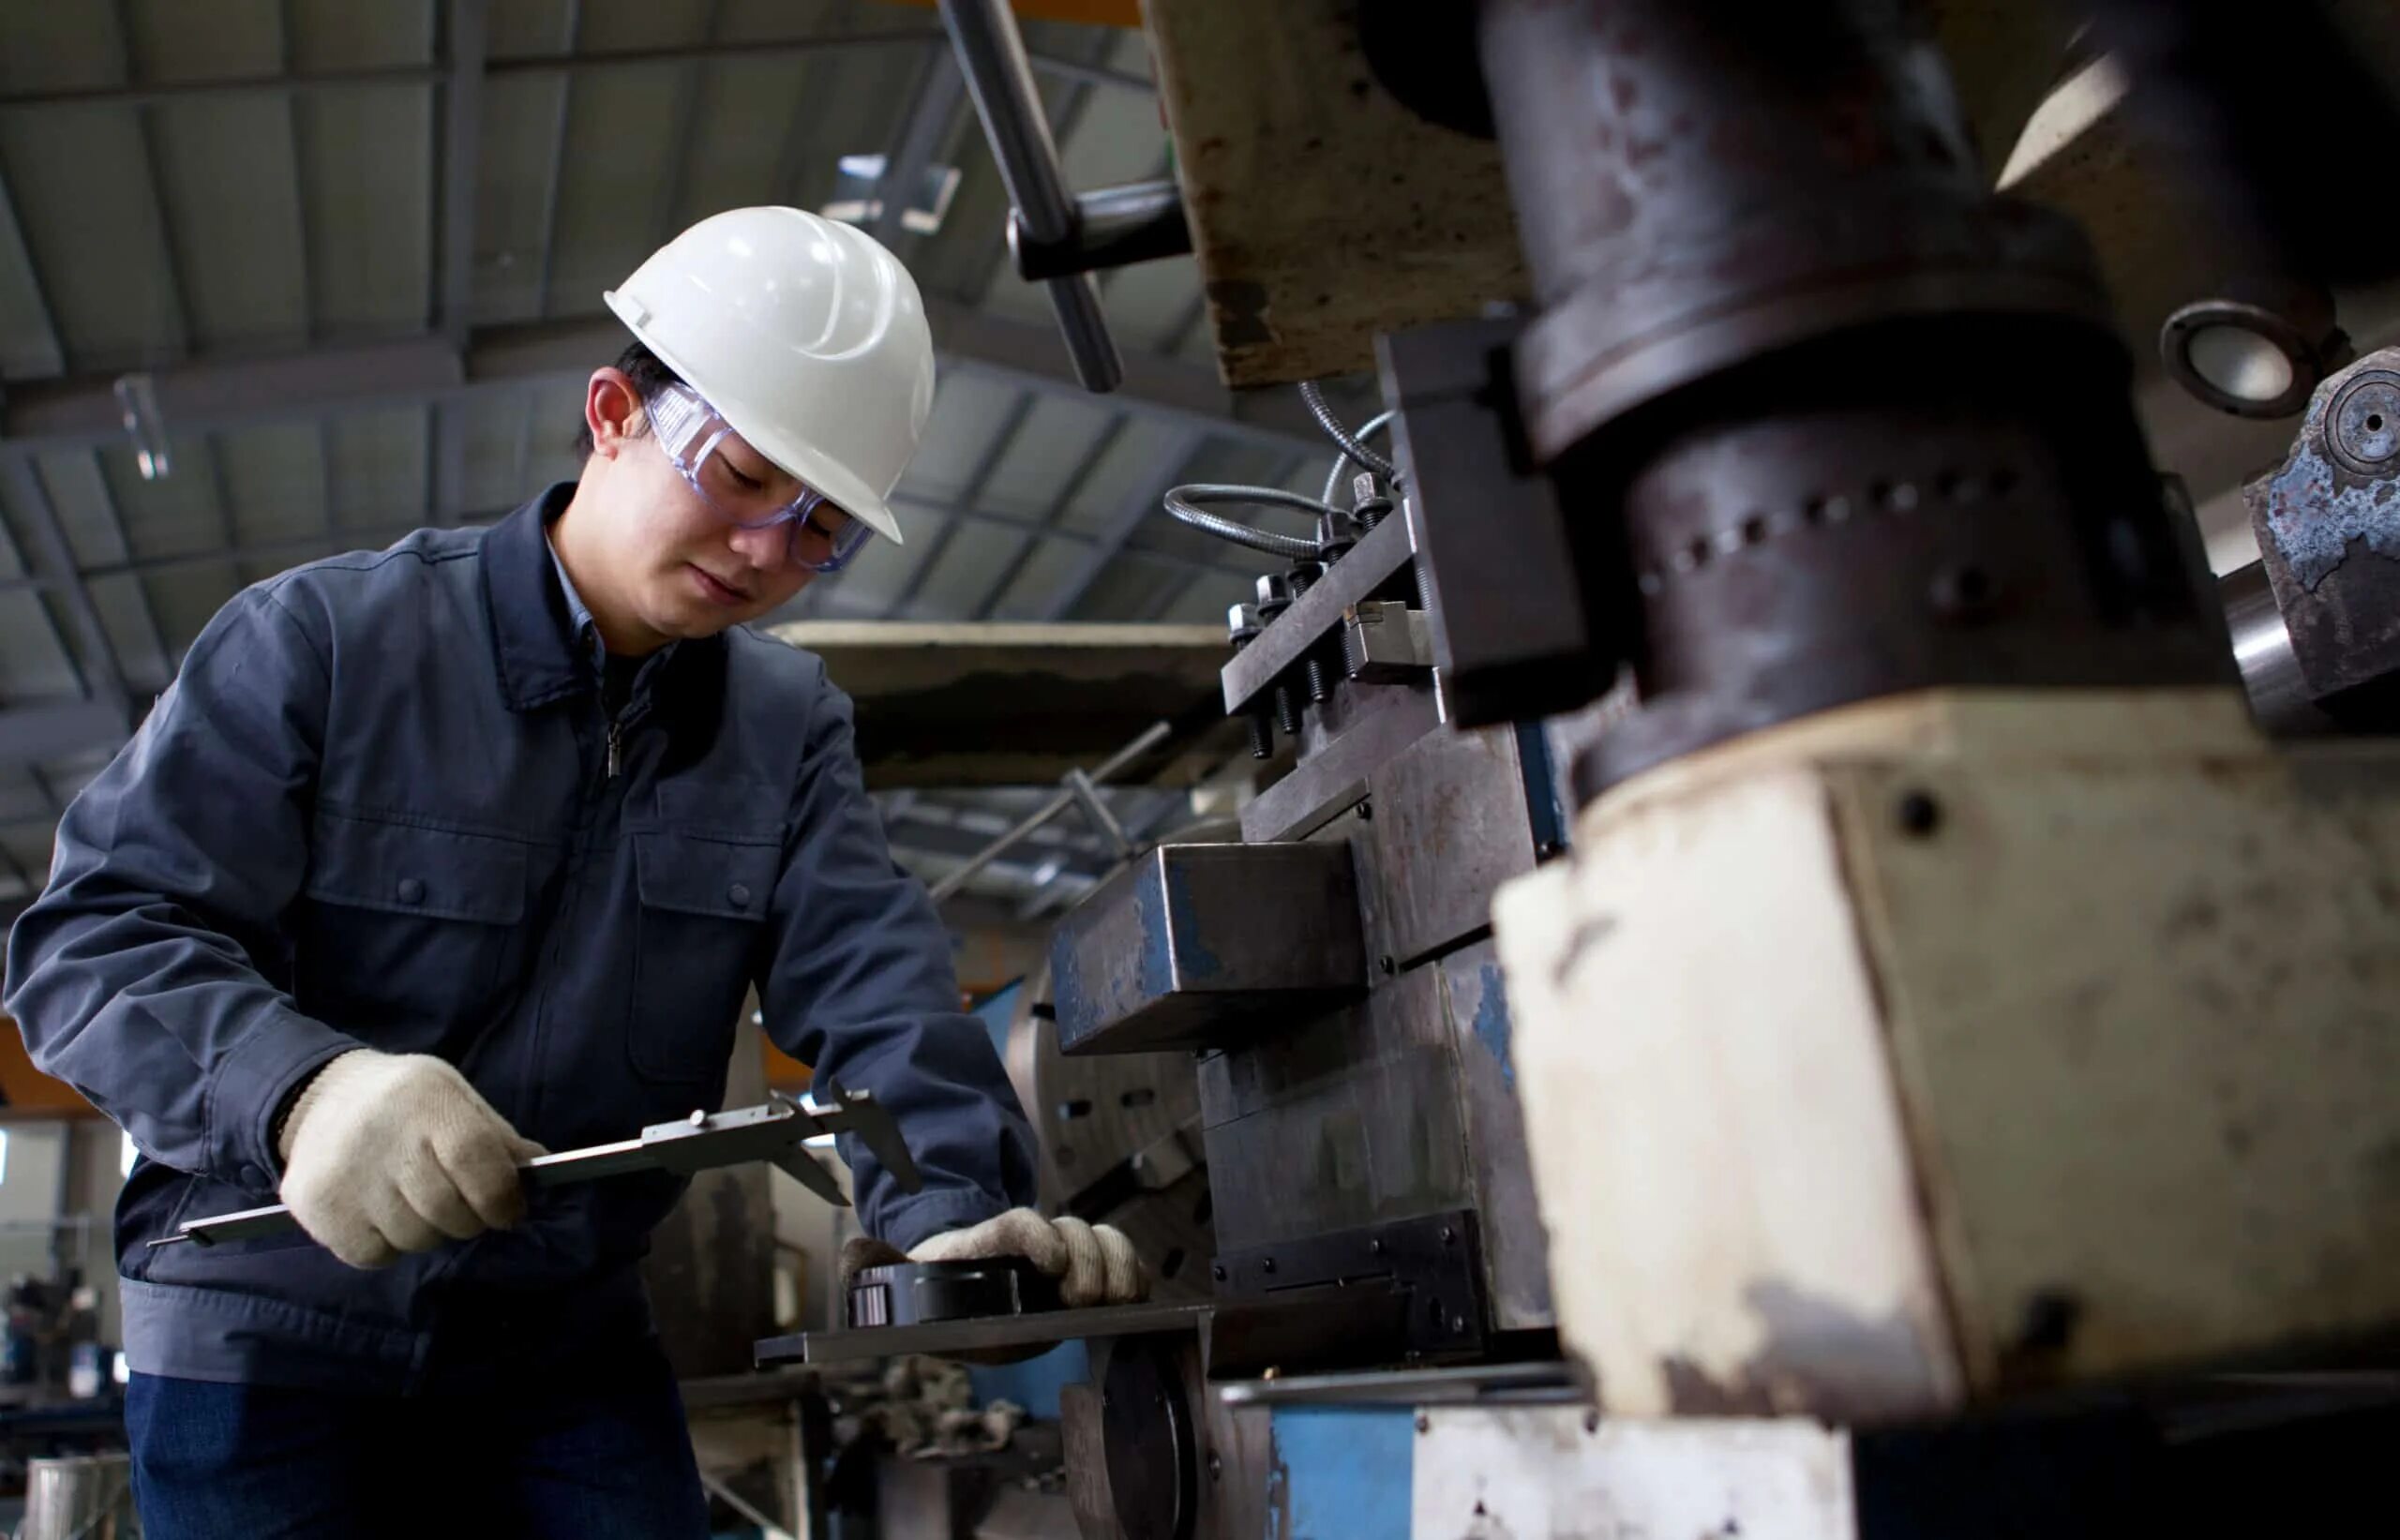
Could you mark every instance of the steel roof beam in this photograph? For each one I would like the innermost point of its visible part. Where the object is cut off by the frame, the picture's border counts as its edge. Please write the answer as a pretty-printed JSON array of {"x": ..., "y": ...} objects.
[
  {"x": 223, "y": 394},
  {"x": 569, "y": 63}
]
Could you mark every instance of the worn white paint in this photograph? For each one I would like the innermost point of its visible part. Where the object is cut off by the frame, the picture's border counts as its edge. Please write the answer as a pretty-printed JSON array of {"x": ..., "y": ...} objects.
[
  {"x": 1806, "y": 1086},
  {"x": 1713, "y": 1127},
  {"x": 1541, "y": 1473}
]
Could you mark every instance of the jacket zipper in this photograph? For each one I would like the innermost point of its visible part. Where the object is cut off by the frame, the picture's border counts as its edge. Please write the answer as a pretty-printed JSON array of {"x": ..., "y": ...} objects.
[{"x": 616, "y": 746}]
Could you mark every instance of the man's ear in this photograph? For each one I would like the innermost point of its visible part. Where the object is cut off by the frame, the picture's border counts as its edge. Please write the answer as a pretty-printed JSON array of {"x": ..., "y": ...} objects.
[{"x": 611, "y": 410}]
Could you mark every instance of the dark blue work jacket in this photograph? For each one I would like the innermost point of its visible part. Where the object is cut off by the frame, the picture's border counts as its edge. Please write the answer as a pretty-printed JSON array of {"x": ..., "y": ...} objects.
[{"x": 379, "y": 805}]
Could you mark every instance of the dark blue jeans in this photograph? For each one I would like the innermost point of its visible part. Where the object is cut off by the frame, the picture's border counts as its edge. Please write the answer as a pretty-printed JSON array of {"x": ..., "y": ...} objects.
[{"x": 218, "y": 1461}]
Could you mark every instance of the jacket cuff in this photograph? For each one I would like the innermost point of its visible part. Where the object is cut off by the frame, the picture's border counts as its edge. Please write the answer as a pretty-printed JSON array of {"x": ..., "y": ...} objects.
[
  {"x": 251, "y": 1086},
  {"x": 929, "y": 1213}
]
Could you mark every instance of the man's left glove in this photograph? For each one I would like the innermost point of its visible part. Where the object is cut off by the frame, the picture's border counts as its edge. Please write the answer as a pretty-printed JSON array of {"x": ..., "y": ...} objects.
[{"x": 1094, "y": 1263}]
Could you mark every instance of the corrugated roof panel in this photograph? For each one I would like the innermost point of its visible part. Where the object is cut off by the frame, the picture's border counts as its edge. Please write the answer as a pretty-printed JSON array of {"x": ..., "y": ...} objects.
[
  {"x": 956, "y": 584},
  {"x": 225, "y": 39},
  {"x": 524, "y": 28},
  {"x": 28, "y": 345},
  {"x": 967, "y": 409},
  {"x": 32, "y": 660},
  {"x": 498, "y": 430},
  {"x": 142, "y": 652},
  {"x": 1056, "y": 437},
  {"x": 607, "y": 196},
  {"x": 1206, "y": 597},
  {"x": 740, "y": 124},
  {"x": 1052, "y": 563},
  {"x": 1131, "y": 462},
  {"x": 520, "y": 129},
  {"x": 379, "y": 468},
  {"x": 173, "y": 513},
  {"x": 186, "y": 602},
  {"x": 58, "y": 47},
  {"x": 230, "y": 171},
  {"x": 1146, "y": 301},
  {"x": 275, "y": 477},
  {"x": 368, "y": 173},
  {"x": 364, "y": 34},
  {"x": 550, "y": 455},
  {"x": 21, "y": 800},
  {"x": 71, "y": 480},
  {"x": 27, "y": 840},
  {"x": 882, "y": 570},
  {"x": 621, "y": 25},
  {"x": 1131, "y": 588},
  {"x": 850, "y": 102},
  {"x": 82, "y": 196}
]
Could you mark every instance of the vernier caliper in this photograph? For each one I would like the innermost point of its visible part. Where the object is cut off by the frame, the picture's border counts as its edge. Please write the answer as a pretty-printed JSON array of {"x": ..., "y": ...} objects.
[{"x": 702, "y": 1142}]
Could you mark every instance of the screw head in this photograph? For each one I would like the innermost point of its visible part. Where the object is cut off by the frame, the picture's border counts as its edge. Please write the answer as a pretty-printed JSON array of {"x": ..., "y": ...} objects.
[
  {"x": 1216, "y": 1271},
  {"x": 1449, "y": 1237},
  {"x": 1424, "y": 1423},
  {"x": 1267, "y": 1265},
  {"x": 1385, "y": 963},
  {"x": 1918, "y": 813}
]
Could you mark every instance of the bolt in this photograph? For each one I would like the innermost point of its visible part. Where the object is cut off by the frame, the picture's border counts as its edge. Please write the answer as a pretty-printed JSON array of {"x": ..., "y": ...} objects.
[
  {"x": 1262, "y": 734},
  {"x": 699, "y": 1118},
  {"x": 1216, "y": 1271},
  {"x": 1267, "y": 1265},
  {"x": 1385, "y": 963},
  {"x": 1337, "y": 534},
  {"x": 1424, "y": 1423},
  {"x": 1365, "y": 810},
  {"x": 1458, "y": 1324},
  {"x": 1449, "y": 1237},
  {"x": 1375, "y": 1249},
  {"x": 1919, "y": 813},
  {"x": 1287, "y": 710},
  {"x": 1242, "y": 629},
  {"x": 1216, "y": 1466}
]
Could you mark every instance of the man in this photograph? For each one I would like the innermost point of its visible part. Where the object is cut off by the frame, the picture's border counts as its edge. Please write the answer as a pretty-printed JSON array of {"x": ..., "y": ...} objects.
[{"x": 436, "y": 857}]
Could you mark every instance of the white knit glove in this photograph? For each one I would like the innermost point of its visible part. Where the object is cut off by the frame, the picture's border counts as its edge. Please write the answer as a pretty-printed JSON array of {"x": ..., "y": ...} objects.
[
  {"x": 1094, "y": 1263},
  {"x": 387, "y": 1153}
]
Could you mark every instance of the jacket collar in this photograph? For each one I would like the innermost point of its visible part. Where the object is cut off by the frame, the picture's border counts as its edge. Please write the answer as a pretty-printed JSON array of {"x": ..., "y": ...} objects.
[{"x": 534, "y": 632}]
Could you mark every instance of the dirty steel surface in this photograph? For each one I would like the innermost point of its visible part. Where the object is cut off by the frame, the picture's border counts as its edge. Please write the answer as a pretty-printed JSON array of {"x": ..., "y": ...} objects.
[{"x": 2328, "y": 523}]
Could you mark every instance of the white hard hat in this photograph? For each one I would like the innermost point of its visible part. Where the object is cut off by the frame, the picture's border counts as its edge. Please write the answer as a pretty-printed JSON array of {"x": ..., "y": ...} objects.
[{"x": 806, "y": 336}]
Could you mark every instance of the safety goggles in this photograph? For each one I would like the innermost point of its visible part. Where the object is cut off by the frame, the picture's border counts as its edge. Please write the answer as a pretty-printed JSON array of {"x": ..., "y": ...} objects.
[{"x": 820, "y": 536}]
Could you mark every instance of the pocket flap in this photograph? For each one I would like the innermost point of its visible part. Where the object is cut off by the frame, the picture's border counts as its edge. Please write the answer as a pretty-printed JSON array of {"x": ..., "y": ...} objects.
[
  {"x": 691, "y": 874},
  {"x": 405, "y": 869}
]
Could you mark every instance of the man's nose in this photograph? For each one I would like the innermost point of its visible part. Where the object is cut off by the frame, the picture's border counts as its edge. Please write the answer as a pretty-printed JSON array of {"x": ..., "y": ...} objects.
[{"x": 765, "y": 549}]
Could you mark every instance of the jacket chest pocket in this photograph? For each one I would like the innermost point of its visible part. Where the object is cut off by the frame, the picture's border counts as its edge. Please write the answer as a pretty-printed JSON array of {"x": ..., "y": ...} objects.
[
  {"x": 409, "y": 933},
  {"x": 704, "y": 900}
]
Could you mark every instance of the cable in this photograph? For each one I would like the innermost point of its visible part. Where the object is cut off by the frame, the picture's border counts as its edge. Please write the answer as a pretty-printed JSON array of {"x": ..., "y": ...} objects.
[
  {"x": 1367, "y": 429},
  {"x": 1181, "y": 506},
  {"x": 1314, "y": 395}
]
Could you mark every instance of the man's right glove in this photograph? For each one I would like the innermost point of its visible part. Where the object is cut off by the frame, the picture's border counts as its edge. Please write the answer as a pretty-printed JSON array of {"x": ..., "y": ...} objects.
[
  {"x": 1094, "y": 1263},
  {"x": 387, "y": 1153}
]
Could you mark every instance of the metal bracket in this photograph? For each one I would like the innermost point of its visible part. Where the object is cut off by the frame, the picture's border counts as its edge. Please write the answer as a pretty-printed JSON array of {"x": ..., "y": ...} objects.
[
  {"x": 1385, "y": 642},
  {"x": 1434, "y": 1261}
]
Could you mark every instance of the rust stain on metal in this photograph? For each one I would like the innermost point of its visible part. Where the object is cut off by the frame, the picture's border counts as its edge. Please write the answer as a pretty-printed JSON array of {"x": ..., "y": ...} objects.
[{"x": 1820, "y": 1358}]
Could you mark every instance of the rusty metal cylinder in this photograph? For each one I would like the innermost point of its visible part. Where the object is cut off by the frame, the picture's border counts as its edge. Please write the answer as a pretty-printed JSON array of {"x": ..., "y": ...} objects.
[{"x": 1827, "y": 419}]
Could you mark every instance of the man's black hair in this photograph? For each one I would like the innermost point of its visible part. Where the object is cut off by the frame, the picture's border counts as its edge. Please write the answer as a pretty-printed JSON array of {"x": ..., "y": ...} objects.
[{"x": 649, "y": 376}]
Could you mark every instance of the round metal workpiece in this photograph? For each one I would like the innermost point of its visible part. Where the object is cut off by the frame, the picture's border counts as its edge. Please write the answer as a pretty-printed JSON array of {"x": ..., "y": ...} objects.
[{"x": 1145, "y": 1417}]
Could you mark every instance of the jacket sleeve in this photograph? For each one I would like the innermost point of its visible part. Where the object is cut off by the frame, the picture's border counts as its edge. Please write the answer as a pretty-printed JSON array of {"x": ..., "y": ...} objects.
[
  {"x": 860, "y": 986},
  {"x": 140, "y": 975}
]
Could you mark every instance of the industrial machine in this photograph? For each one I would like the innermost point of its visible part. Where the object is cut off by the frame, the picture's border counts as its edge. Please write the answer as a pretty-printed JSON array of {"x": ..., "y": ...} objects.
[{"x": 1784, "y": 990}]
